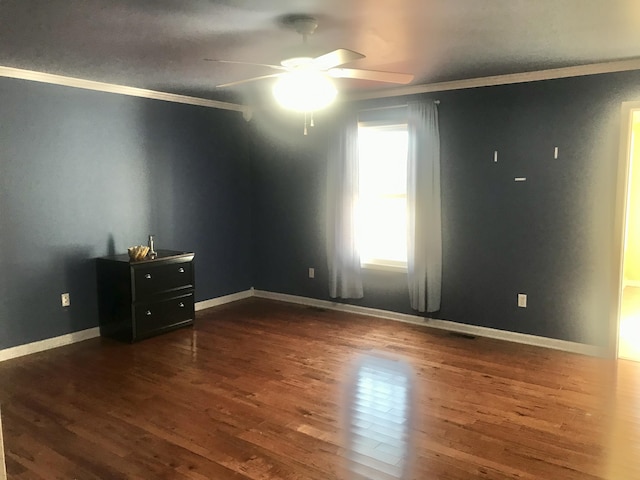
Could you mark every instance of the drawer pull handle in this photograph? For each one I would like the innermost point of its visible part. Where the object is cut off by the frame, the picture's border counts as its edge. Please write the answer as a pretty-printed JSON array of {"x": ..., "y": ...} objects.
[
  {"x": 147, "y": 276},
  {"x": 181, "y": 305},
  {"x": 181, "y": 270},
  {"x": 148, "y": 313}
]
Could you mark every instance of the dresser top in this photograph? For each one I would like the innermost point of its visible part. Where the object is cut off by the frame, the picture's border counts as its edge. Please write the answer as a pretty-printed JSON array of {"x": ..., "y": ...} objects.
[{"x": 161, "y": 255}]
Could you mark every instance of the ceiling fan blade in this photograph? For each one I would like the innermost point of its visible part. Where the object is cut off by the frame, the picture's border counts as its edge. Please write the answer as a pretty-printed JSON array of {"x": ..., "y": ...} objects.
[
  {"x": 276, "y": 67},
  {"x": 335, "y": 58},
  {"x": 253, "y": 79},
  {"x": 374, "y": 75}
]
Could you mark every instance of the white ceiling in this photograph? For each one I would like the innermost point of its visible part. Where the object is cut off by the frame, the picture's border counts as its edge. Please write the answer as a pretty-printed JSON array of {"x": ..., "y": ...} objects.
[{"x": 161, "y": 44}]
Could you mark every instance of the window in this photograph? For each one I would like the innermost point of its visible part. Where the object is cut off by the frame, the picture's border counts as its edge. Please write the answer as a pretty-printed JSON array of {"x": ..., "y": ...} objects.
[{"x": 382, "y": 208}]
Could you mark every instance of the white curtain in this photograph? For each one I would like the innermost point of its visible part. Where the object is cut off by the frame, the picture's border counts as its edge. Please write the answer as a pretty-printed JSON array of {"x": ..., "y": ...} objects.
[
  {"x": 343, "y": 258},
  {"x": 424, "y": 255}
]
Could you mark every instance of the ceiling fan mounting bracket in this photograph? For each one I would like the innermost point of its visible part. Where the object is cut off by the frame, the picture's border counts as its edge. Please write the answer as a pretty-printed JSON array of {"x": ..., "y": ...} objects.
[{"x": 305, "y": 25}]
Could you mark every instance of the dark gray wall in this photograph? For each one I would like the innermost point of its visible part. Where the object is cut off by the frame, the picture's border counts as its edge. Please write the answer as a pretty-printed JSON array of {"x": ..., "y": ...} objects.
[
  {"x": 83, "y": 174},
  {"x": 550, "y": 237}
]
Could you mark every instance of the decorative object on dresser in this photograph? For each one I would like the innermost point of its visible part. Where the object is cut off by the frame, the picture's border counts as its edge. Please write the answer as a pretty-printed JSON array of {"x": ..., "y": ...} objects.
[
  {"x": 139, "y": 252},
  {"x": 138, "y": 299}
]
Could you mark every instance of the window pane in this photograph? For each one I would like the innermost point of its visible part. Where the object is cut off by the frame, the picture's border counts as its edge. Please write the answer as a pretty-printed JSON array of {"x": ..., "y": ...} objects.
[
  {"x": 383, "y": 161},
  {"x": 383, "y": 229},
  {"x": 382, "y": 212}
]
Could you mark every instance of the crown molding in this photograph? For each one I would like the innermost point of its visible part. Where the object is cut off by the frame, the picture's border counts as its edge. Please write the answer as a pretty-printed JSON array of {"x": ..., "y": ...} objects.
[
  {"x": 247, "y": 111},
  {"x": 495, "y": 80},
  {"x": 53, "y": 79}
]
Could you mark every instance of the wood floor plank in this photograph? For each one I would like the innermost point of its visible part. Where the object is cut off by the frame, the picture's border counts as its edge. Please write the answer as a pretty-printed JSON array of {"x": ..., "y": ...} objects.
[{"x": 264, "y": 390}]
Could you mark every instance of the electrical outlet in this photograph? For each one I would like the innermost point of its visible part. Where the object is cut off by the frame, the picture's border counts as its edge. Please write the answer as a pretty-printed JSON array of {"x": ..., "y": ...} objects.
[
  {"x": 522, "y": 300},
  {"x": 312, "y": 272},
  {"x": 66, "y": 299}
]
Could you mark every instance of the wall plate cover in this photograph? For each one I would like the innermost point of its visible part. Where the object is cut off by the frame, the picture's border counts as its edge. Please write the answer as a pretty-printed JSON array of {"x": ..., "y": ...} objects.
[{"x": 522, "y": 300}]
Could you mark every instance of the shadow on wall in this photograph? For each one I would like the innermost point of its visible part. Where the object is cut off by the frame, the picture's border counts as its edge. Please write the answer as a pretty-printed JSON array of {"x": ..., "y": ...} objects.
[
  {"x": 111, "y": 245},
  {"x": 199, "y": 187}
]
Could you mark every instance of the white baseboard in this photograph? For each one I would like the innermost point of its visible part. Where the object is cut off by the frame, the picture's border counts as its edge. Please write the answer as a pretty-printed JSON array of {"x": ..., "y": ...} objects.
[
  {"x": 68, "y": 339},
  {"x": 48, "y": 343},
  {"x": 523, "y": 338},
  {"x": 478, "y": 331},
  {"x": 214, "y": 302}
]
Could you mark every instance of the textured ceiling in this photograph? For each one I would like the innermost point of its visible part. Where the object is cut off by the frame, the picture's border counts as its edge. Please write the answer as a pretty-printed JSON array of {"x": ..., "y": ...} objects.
[{"x": 161, "y": 44}]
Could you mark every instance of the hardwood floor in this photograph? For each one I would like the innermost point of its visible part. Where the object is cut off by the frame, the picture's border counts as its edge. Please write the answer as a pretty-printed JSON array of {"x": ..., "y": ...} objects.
[{"x": 265, "y": 390}]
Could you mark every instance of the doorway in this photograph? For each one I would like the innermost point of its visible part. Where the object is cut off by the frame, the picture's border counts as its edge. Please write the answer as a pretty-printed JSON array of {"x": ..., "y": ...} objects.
[{"x": 629, "y": 323}]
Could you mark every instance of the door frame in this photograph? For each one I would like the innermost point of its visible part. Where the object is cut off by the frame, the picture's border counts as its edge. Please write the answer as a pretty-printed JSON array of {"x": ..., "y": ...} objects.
[
  {"x": 627, "y": 110},
  {"x": 3, "y": 468}
]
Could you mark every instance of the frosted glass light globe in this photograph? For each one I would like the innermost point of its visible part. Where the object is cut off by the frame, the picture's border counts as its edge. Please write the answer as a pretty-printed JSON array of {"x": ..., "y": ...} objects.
[{"x": 304, "y": 91}]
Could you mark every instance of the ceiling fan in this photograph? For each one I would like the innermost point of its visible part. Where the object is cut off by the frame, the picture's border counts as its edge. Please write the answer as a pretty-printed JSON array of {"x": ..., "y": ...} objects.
[{"x": 308, "y": 74}]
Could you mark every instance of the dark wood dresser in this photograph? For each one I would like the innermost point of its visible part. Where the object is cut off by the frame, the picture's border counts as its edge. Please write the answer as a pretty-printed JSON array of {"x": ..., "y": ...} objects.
[{"x": 138, "y": 299}]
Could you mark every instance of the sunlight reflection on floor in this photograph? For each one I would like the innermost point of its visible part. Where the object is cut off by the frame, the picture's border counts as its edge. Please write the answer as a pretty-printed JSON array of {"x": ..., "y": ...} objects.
[{"x": 380, "y": 418}]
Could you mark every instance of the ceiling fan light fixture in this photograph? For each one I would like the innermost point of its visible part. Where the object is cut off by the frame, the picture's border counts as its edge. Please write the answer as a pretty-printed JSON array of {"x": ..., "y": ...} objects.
[{"x": 304, "y": 91}]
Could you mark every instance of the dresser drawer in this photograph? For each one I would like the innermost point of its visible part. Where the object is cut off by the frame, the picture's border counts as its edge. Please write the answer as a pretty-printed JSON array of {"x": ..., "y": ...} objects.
[
  {"x": 153, "y": 279},
  {"x": 156, "y": 316}
]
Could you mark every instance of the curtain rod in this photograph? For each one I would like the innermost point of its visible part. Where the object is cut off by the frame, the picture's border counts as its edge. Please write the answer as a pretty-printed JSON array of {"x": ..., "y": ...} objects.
[{"x": 389, "y": 107}]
